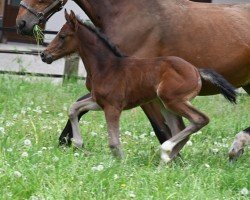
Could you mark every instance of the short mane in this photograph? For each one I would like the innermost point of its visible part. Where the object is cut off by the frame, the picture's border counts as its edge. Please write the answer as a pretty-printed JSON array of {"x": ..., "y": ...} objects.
[{"x": 90, "y": 26}]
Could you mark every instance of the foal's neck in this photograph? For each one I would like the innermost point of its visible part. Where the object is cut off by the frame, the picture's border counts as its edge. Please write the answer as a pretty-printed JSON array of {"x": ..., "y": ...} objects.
[{"x": 96, "y": 54}]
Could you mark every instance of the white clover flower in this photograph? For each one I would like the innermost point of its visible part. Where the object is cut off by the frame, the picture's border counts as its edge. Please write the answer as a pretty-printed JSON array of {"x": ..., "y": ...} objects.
[
  {"x": 44, "y": 148},
  {"x": 152, "y": 133},
  {"x": 142, "y": 136},
  {"x": 40, "y": 153},
  {"x": 9, "y": 150},
  {"x": 60, "y": 114},
  {"x": 101, "y": 126},
  {"x": 116, "y": 177},
  {"x": 76, "y": 154},
  {"x": 244, "y": 192},
  {"x": 9, "y": 124},
  {"x": 55, "y": 159},
  {"x": 2, "y": 130},
  {"x": 15, "y": 116},
  {"x": 27, "y": 142},
  {"x": 207, "y": 165},
  {"x": 215, "y": 150},
  {"x": 25, "y": 154},
  {"x": 93, "y": 133},
  {"x": 132, "y": 194},
  {"x": 189, "y": 143},
  {"x": 127, "y": 133},
  {"x": 17, "y": 174},
  {"x": 23, "y": 111},
  {"x": 98, "y": 168},
  {"x": 34, "y": 197},
  {"x": 25, "y": 121}
]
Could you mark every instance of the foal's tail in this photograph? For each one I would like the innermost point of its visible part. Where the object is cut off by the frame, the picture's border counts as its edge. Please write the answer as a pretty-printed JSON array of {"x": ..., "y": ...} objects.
[{"x": 226, "y": 89}]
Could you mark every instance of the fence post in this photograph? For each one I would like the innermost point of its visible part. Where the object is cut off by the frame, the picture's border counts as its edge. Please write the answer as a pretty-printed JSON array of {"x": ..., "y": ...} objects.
[{"x": 71, "y": 67}]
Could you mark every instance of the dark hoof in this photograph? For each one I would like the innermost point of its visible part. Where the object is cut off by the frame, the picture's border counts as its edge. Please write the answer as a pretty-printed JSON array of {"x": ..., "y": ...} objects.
[{"x": 234, "y": 156}]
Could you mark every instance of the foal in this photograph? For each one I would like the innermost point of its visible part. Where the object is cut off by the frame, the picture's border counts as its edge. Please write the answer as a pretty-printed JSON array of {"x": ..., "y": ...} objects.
[{"x": 118, "y": 82}]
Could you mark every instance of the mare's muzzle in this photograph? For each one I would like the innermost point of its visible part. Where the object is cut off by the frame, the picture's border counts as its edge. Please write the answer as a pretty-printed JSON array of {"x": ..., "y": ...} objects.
[{"x": 46, "y": 57}]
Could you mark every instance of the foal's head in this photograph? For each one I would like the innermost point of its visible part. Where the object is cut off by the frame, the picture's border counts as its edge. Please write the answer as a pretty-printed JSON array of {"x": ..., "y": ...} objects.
[{"x": 65, "y": 42}]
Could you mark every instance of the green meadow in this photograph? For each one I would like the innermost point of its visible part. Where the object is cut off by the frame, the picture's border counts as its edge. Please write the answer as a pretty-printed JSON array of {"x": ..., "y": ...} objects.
[{"x": 32, "y": 166}]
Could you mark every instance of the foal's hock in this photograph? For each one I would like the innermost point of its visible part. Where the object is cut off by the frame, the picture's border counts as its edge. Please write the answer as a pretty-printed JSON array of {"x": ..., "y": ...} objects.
[{"x": 118, "y": 82}]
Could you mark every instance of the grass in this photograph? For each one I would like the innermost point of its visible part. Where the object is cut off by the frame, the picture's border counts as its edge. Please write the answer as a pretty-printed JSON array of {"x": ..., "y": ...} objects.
[{"x": 36, "y": 112}]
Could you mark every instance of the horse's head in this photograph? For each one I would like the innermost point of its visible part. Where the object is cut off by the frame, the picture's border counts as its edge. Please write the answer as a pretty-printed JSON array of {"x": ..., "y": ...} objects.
[
  {"x": 34, "y": 12},
  {"x": 65, "y": 42}
]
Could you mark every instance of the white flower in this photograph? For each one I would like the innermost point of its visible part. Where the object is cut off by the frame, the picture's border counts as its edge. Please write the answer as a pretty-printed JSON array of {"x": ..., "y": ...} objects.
[
  {"x": 27, "y": 142},
  {"x": 44, "y": 148},
  {"x": 17, "y": 174},
  {"x": 244, "y": 192},
  {"x": 2, "y": 130},
  {"x": 98, "y": 168},
  {"x": 25, "y": 154},
  {"x": 2, "y": 170},
  {"x": 152, "y": 133},
  {"x": 207, "y": 165},
  {"x": 76, "y": 154},
  {"x": 189, "y": 143},
  {"x": 40, "y": 152},
  {"x": 34, "y": 198},
  {"x": 132, "y": 194},
  {"x": 60, "y": 115},
  {"x": 15, "y": 116},
  {"x": 142, "y": 136},
  {"x": 9, "y": 150},
  {"x": 9, "y": 124},
  {"x": 93, "y": 133},
  {"x": 101, "y": 126},
  {"x": 116, "y": 176},
  {"x": 127, "y": 133},
  {"x": 215, "y": 150},
  {"x": 55, "y": 159}
]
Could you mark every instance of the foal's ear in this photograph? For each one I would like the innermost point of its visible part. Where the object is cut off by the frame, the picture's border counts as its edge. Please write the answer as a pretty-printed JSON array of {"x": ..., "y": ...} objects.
[
  {"x": 67, "y": 17},
  {"x": 73, "y": 20}
]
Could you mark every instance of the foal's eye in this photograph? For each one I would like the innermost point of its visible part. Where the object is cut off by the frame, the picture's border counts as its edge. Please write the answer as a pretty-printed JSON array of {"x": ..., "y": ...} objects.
[{"x": 62, "y": 36}]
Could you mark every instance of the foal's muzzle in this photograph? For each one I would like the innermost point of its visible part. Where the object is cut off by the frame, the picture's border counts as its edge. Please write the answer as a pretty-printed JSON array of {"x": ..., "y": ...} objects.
[{"x": 46, "y": 57}]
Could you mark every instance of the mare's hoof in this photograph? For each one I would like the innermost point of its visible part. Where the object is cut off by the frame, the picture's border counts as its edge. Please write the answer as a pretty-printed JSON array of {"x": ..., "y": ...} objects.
[
  {"x": 168, "y": 146},
  {"x": 233, "y": 155},
  {"x": 118, "y": 153}
]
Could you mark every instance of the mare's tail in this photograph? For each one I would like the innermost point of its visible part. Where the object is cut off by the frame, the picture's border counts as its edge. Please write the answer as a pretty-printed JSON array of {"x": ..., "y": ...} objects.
[{"x": 225, "y": 88}]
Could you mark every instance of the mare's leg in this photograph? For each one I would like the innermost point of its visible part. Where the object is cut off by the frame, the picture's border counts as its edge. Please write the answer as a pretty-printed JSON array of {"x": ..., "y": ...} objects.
[
  {"x": 66, "y": 135},
  {"x": 76, "y": 108},
  {"x": 153, "y": 112},
  {"x": 197, "y": 121},
  {"x": 112, "y": 116}
]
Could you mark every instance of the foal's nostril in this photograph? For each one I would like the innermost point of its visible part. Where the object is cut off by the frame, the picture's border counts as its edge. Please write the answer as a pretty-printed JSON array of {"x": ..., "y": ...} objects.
[{"x": 42, "y": 55}]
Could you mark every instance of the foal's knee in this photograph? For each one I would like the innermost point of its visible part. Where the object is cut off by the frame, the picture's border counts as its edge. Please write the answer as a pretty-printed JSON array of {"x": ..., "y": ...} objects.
[{"x": 201, "y": 121}]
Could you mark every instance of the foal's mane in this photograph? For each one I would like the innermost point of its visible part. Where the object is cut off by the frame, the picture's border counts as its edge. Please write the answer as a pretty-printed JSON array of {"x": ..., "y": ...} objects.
[{"x": 88, "y": 24}]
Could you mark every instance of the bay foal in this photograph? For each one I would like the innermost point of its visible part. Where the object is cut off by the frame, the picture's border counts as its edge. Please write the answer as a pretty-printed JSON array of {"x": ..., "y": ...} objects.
[{"x": 118, "y": 82}]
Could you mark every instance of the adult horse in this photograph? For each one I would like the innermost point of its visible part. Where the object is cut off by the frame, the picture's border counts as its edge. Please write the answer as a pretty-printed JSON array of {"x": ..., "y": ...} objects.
[{"x": 210, "y": 35}]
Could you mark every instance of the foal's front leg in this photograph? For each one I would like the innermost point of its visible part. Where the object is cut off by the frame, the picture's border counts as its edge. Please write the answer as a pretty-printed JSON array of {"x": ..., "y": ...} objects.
[
  {"x": 76, "y": 108},
  {"x": 112, "y": 116}
]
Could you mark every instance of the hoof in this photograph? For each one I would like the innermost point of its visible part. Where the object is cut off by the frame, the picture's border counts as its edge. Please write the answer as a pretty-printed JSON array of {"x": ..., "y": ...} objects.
[
  {"x": 233, "y": 155},
  {"x": 165, "y": 157},
  {"x": 118, "y": 153},
  {"x": 77, "y": 144},
  {"x": 168, "y": 146}
]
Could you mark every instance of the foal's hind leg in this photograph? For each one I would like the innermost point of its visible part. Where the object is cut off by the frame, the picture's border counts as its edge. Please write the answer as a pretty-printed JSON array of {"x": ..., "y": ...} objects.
[
  {"x": 76, "y": 108},
  {"x": 112, "y": 116},
  {"x": 197, "y": 121}
]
